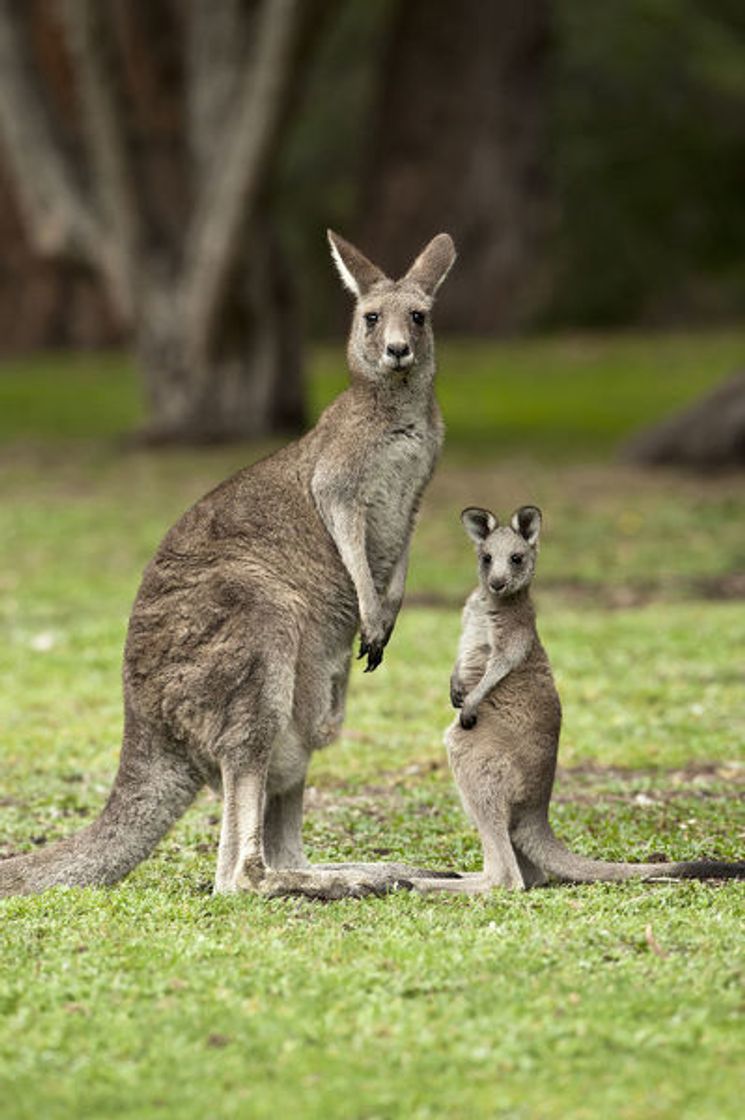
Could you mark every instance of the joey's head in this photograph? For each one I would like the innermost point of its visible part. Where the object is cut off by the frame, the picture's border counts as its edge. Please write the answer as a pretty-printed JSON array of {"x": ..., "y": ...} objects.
[
  {"x": 506, "y": 553},
  {"x": 391, "y": 338}
]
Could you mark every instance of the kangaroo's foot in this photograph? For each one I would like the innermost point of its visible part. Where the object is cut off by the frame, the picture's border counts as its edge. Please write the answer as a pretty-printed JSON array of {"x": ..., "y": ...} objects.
[{"x": 320, "y": 883}]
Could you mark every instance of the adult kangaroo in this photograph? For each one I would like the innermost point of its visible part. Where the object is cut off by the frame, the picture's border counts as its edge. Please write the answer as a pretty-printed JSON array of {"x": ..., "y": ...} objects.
[{"x": 239, "y": 643}]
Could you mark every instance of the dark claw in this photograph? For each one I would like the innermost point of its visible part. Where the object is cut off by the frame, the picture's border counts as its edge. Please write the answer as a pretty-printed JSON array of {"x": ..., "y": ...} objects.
[
  {"x": 457, "y": 696},
  {"x": 374, "y": 656},
  {"x": 467, "y": 722},
  {"x": 364, "y": 648}
]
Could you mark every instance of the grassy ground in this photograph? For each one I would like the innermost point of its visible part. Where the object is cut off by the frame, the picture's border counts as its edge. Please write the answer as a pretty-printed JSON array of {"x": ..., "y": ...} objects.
[{"x": 154, "y": 999}]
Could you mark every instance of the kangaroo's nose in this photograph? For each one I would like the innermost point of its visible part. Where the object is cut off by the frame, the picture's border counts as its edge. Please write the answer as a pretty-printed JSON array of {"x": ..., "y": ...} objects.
[
  {"x": 498, "y": 584},
  {"x": 398, "y": 350}
]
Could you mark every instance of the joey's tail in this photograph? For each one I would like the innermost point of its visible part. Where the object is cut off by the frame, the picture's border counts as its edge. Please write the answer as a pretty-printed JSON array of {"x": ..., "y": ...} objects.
[
  {"x": 538, "y": 842},
  {"x": 148, "y": 795}
]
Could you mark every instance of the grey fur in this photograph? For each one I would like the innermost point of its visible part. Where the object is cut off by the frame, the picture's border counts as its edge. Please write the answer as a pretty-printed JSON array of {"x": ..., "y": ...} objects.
[
  {"x": 239, "y": 643},
  {"x": 503, "y": 745}
]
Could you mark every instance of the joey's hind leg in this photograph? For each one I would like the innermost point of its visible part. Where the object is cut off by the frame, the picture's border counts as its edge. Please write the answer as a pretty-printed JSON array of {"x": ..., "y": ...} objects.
[
  {"x": 531, "y": 872},
  {"x": 501, "y": 868}
]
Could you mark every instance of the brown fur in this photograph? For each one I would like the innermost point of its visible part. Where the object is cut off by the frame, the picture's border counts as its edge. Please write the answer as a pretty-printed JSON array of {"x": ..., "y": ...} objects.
[
  {"x": 239, "y": 643},
  {"x": 503, "y": 745}
]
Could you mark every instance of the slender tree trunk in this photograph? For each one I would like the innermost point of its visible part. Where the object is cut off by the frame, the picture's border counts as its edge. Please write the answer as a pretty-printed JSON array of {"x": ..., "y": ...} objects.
[{"x": 461, "y": 143}]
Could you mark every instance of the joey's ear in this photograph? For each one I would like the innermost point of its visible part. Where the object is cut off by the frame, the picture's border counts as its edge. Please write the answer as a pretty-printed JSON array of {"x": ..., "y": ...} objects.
[
  {"x": 527, "y": 522},
  {"x": 433, "y": 263},
  {"x": 356, "y": 271},
  {"x": 478, "y": 523}
]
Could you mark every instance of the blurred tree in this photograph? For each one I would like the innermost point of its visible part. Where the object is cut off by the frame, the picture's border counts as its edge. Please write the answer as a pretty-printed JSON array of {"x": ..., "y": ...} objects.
[
  {"x": 459, "y": 142},
  {"x": 182, "y": 108},
  {"x": 649, "y": 160}
]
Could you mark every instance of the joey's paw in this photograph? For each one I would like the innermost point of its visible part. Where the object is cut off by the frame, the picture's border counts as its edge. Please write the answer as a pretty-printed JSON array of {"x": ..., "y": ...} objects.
[
  {"x": 468, "y": 718},
  {"x": 457, "y": 694}
]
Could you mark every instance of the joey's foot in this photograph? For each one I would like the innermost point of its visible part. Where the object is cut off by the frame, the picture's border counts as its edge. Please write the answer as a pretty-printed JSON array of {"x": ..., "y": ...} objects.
[
  {"x": 391, "y": 874},
  {"x": 468, "y": 718},
  {"x": 472, "y": 884}
]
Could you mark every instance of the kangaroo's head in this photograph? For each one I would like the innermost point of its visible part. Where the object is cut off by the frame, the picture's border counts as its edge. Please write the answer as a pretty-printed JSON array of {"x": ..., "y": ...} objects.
[
  {"x": 507, "y": 553},
  {"x": 391, "y": 335}
]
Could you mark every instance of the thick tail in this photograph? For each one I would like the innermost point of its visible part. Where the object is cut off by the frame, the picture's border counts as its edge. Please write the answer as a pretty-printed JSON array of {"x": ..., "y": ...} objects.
[
  {"x": 539, "y": 843},
  {"x": 148, "y": 796}
]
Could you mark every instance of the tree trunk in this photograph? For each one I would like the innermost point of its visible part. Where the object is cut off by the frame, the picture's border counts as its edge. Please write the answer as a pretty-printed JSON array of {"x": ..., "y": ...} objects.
[
  {"x": 200, "y": 282},
  {"x": 460, "y": 143},
  {"x": 710, "y": 435},
  {"x": 252, "y": 384}
]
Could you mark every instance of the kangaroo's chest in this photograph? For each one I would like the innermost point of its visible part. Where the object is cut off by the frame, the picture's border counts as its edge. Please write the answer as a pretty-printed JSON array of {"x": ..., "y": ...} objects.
[{"x": 396, "y": 476}]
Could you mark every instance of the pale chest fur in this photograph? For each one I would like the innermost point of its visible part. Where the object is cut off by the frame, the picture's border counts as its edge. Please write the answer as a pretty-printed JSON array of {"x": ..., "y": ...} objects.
[{"x": 395, "y": 477}]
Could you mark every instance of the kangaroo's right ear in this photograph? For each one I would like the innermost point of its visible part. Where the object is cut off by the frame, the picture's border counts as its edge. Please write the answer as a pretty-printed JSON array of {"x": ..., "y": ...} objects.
[
  {"x": 356, "y": 271},
  {"x": 478, "y": 523},
  {"x": 433, "y": 263}
]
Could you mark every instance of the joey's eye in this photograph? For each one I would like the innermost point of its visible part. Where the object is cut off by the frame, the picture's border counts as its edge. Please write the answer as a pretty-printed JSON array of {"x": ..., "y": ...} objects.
[
  {"x": 418, "y": 318},
  {"x": 371, "y": 318},
  {"x": 517, "y": 559},
  {"x": 486, "y": 558}
]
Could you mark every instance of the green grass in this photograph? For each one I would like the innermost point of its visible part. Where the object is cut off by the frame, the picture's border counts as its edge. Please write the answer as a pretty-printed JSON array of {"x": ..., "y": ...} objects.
[
  {"x": 154, "y": 999},
  {"x": 564, "y": 397}
]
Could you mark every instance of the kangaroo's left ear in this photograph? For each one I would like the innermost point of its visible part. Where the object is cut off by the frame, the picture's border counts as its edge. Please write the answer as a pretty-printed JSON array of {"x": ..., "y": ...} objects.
[
  {"x": 433, "y": 264},
  {"x": 527, "y": 522}
]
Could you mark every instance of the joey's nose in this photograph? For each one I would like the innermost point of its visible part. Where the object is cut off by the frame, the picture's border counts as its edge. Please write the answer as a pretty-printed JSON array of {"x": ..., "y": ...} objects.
[
  {"x": 398, "y": 350},
  {"x": 497, "y": 584}
]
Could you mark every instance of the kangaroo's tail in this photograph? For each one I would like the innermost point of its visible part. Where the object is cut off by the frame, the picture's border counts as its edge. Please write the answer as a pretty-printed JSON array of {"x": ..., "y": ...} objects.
[
  {"x": 149, "y": 794},
  {"x": 539, "y": 843}
]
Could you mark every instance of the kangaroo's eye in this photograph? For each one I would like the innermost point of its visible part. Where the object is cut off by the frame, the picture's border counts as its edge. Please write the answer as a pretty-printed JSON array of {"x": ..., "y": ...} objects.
[
  {"x": 517, "y": 559},
  {"x": 486, "y": 558},
  {"x": 371, "y": 318},
  {"x": 418, "y": 318}
]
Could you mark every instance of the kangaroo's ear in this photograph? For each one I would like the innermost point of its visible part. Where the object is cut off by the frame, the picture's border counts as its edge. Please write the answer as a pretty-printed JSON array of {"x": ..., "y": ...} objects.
[
  {"x": 527, "y": 522},
  {"x": 356, "y": 271},
  {"x": 433, "y": 263},
  {"x": 478, "y": 523}
]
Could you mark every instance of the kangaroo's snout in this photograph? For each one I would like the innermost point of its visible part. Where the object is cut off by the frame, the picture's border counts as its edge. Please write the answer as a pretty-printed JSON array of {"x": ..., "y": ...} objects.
[
  {"x": 398, "y": 349},
  {"x": 398, "y": 355},
  {"x": 497, "y": 585}
]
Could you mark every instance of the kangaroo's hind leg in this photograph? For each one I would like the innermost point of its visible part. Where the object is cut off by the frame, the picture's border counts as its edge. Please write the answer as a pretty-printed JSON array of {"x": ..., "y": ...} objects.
[{"x": 283, "y": 823}]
